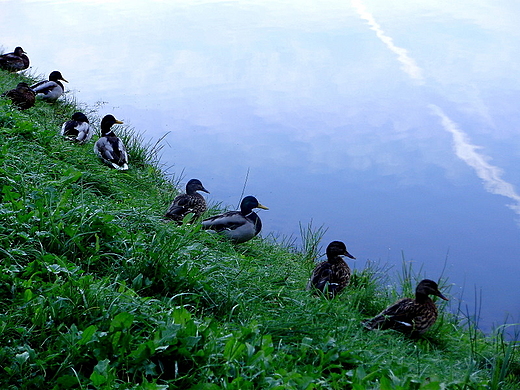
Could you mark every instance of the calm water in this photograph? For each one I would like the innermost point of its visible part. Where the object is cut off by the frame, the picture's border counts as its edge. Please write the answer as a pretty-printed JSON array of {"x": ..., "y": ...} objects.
[{"x": 393, "y": 124}]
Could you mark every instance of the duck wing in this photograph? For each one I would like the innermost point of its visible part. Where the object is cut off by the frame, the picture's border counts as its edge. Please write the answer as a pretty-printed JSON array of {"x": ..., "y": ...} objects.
[
  {"x": 180, "y": 206},
  {"x": 12, "y": 62},
  {"x": 85, "y": 132},
  {"x": 77, "y": 131},
  {"x": 112, "y": 150},
  {"x": 399, "y": 316},
  {"x": 231, "y": 220},
  {"x": 331, "y": 276},
  {"x": 70, "y": 129},
  {"x": 117, "y": 151},
  {"x": 121, "y": 153},
  {"x": 321, "y": 275},
  {"x": 44, "y": 86}
]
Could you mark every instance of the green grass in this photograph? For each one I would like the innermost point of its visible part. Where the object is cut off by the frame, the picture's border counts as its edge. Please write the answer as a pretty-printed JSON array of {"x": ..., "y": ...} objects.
[{"x": 97, "y": 292}]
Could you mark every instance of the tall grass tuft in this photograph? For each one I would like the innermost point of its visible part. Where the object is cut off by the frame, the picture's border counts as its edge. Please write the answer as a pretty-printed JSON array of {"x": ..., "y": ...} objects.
[{"x": 311, "y": 237}]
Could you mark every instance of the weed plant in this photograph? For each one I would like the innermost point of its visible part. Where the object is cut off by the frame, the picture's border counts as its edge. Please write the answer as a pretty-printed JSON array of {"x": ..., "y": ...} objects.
[{"x": 97, "y": 292}]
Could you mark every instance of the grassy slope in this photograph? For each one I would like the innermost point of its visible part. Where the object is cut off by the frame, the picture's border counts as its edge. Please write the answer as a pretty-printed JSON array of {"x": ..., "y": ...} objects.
[{"x": 97, "y": 292}]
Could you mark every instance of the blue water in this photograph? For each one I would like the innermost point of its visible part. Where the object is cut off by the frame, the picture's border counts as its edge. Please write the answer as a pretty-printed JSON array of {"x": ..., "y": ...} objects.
[{"x": 395, "y": 126}]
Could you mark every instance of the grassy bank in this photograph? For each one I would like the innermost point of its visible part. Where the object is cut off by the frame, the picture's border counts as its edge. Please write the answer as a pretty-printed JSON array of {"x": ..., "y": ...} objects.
[{"x": 97, "y": 292}]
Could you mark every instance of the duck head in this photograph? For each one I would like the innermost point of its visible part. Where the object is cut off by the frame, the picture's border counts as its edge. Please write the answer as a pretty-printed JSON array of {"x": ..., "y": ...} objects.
[
  {"x": 55, "y": 76},
  {"x": 18, "y": 51},
  {"x": 337, "y": 248},
  {"x": 195, "y": 185},
  {"x": 79, "y": 117},
  {"x": 429, "y": 287},
  {"x": 107, "y": 122},
  {"x": 249, "y": 203}
]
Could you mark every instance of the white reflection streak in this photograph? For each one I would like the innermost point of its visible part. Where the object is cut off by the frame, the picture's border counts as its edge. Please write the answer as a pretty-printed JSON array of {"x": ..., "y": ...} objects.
[
  {"x": 467, "y": 152},
  {"x": 409, "y": 65}
]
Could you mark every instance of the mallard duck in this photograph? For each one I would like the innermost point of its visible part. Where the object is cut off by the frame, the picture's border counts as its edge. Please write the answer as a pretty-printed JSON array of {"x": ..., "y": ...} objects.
[
  {"x": 14, "y": 61},
  {"x": 333, "y": 275},
  {"x": 410, "y": 316},
  {"x": 51, "y": 89},
  {"x": 109, "y": 147},
  {"x": 77, "y": 129},
  {"x": 22, "y": 96},
  {"x": 190, "y": 202},
  {"x": 238, "y": 226}
]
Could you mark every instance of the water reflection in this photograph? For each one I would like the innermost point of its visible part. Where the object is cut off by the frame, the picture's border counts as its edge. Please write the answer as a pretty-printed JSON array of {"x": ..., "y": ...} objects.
[{"x": 394, "y": 125}]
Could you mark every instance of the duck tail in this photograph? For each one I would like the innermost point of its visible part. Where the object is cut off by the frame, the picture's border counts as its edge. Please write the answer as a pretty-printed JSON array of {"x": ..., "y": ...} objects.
[
  {"x": 175, "y": 213},
  {"x": 374, "y": 323},
  {"x": 123, "y": 167}
]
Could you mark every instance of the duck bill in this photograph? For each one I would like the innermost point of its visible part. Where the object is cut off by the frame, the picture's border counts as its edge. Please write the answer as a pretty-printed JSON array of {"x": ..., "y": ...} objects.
[
  {"x": 442, "y": 296},
  {"x": 205, "y": 190},
  {"x": 261, "y": 206},
  {"x": 119, "y": 122},
  {"x": 62, "y": 79},
  {"x": 349, "y": 255}
]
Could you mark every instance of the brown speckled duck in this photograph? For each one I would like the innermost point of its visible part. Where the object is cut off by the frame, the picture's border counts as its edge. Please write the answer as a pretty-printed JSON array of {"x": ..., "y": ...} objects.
[
  {"x": 15, "y": 61},
  {"x": 410, "y": 316},
  {"x": 22, "y": 96},
  {"x": 333, "y": 275},
  {"x": 190, "y": 202}
]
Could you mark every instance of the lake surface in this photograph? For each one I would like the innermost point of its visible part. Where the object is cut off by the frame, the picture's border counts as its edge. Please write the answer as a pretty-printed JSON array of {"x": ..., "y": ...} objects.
[{"x": 395, "y": 125}]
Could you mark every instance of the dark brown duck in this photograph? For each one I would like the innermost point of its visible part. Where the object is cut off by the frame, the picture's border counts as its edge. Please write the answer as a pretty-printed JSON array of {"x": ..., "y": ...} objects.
[
  {"x": 190, "y": 202},
  {"x": 22, "y": 96},
  {"x": 15, "y": 61},
  {"x": 333, "y": 275},
  {"x": 410, "y": 316}
]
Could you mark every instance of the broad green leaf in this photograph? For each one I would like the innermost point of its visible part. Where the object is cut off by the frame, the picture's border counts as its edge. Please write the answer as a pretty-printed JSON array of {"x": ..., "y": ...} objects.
[{"x": 87, "y": 335}]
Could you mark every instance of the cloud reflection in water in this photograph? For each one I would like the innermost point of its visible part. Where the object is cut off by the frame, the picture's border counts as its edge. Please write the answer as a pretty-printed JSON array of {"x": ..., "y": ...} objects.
[{"x": 467, "y": 152}]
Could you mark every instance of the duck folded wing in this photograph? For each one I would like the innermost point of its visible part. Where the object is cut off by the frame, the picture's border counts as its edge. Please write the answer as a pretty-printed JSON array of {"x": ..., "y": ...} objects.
[
  {"x": 111, "y": 150},
  {"x": 227, "y": 221},
  {"x": 11, "y": 62},
  {"x": 118, "y": 151},
  {"x": 180, "y": 206},
  {"x": 44, "y": 86},
  {"x": 321, "y": 275},
  {"x": 400, "y": 316},
  {"x": 176, "y": 211},
  {"x": 9, "y": 58},
  {"x": 76, "y": 130},
  {"x": 84, "y": 133}
]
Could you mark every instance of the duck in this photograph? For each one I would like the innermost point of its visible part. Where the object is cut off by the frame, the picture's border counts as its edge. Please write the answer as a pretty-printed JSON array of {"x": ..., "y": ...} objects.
[
  {"x": 410, "y": 316},
  {"x": 109, "y": 148},
  {"x": 15, "y": 61},
  {"x": 50, "y": 90},
  {"x": 77, "y": 129},
  {"x": 238, "y": 226},
  {"x": 333, "y": 275},
  {"x": 22, "y": 96},
  {"x": 190, "y": 202}
]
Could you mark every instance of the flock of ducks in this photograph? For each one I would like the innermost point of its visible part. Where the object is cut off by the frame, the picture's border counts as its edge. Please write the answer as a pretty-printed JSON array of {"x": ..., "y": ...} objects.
[
  {"x": 412, "y": 316},
  {"x": 237, "y": 226}
]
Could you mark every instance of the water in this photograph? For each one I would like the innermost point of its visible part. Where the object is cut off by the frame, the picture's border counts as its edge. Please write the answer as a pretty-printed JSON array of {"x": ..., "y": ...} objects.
[{"x": 393, "y": 125}]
